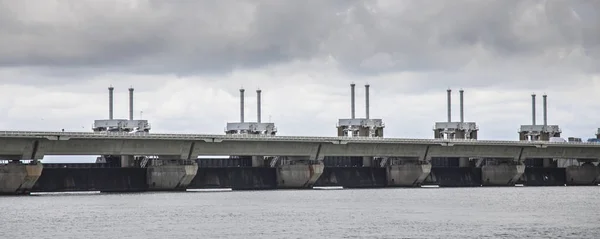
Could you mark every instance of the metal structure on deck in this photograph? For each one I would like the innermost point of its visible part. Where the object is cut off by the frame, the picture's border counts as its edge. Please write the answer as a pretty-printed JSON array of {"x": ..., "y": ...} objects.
[
  {"x": 120, "y": 125},
  {"x": 360, "y": 127},
  {"x": 455, "y": 130},
  {"x": 256, "y": 128},
  {"x": 535, "y": 132}
]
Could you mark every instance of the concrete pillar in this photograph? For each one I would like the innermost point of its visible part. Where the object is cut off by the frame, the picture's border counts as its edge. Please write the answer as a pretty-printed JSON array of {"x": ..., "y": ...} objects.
[
  {"x": 586, "y": 174},
  {"x": 170, "y": 176},
  {"x": 407, "y": 175},
  {"x": 127, "y": 161},
  {"x": 547, "y": 163},
  {"x": 463, "y": 162},
  {"x": 503, "y": 174},
  {"x": 298, "y": 175},
  {"x": 367, "y": 161},
  {"x": 18, "y": 178},
  {"x": 258, "y": 161}
]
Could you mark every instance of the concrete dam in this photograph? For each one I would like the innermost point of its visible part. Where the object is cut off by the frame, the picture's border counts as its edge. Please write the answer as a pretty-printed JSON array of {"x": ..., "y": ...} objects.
[
  {"x": 270, "y": 162},
  {"x": 133, "y": 159}
]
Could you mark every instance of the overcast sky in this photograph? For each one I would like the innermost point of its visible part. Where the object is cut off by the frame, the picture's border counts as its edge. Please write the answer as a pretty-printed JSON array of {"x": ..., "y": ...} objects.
[{"x": 188, "y": 59}]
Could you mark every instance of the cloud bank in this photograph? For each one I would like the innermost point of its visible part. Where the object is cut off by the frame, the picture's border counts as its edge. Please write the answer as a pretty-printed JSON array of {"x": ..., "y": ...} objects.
[{"x": 187, "y": 60}]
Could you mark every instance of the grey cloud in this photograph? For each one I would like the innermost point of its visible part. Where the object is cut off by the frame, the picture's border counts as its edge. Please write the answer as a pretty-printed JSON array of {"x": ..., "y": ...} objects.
[
  {"x": 183, "y": 36},
  {"x": 364, "y": 37},
  {"x": 443, "y": 36}
]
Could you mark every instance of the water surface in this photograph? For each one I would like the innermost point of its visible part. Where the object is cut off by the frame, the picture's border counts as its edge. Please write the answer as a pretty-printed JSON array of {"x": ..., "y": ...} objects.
[{"x": 514, "y": 212}]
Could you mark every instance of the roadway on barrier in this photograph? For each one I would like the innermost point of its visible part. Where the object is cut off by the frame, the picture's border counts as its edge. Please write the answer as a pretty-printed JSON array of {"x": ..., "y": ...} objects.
[{"x": 247, "y": 137}]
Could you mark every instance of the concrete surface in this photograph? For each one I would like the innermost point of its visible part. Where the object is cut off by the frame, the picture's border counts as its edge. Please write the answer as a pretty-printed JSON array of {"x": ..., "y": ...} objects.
[
  {"x": 586, "y": 174},
  {"x": 353, "y": 177},
  {"x": 543, "y": 176},
  {"x": 454, "y": 177},
  {"x": 299, "y": 175},
  {"x": 36, "y": 148},
  {"x": 17, "y": 178},
  {"x": 502, "y": 174},
  {"x": 258, "y": 161},
  {"x": 236, "y": 178},
  {"x": 407, "y": 175},
  {"x": 108, "y": 179},
  {"x": 463, "y": 162},
  {"x": 170, "y": 177},
  {"x": 127, "y": 161}
]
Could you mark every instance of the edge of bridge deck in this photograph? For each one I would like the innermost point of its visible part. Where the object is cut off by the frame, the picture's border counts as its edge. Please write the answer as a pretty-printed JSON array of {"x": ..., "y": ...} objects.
[{"x": 163, "y": 136}]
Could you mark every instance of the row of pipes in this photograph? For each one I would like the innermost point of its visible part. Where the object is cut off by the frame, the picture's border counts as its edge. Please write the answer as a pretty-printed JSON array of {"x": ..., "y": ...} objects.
[
  {"x": 462, "y": 108},
  {"x": 352, "y": 98},
  {"x": 545, "y": 109},
  {"x": 258, "y": 106},
  {"x": 111, "y": 101},
  {"x": 352, "y": 104}
]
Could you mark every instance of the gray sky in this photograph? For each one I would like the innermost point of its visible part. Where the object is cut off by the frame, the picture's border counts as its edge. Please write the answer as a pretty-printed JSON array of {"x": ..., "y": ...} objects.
[{"x": 187, "y": 60}]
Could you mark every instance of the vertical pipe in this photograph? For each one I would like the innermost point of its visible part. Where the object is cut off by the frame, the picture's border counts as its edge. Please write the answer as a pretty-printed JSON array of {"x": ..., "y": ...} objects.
[
  {"x": 533, "y": 109},
  {"x": 545, "y": 109},
  {"x": 131, "y": 103},
  {"x": 352, "y": 100},
  {"x": 241, "y": 105},
  {"x": 449, "y": 105},
  {"x": 367, "y": 101},
  {"x": 258, "y": 116},
  {"x": 462, "y": 106},
  {"x": 110, "y": 102}
]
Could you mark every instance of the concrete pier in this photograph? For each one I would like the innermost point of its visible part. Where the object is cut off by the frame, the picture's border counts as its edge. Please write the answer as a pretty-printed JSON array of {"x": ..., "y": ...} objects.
[
  {"x": 236, "y": 178},
  {"x": 170, "y": 176},
  {"x": 586, "y": 174},
  {"x": 502, "y": 174},
  {"x": 299, "y": 174},
  {"x": 127, "y": 161},
  {"x": 455, "y": 177},
  {"x": 258, "y": 161},
  {"x": 463, "y": 162},
  {"x": 18, "y": 178},
  {"x": 353, "y": 177},
  {"x": 407, "y": 175}
]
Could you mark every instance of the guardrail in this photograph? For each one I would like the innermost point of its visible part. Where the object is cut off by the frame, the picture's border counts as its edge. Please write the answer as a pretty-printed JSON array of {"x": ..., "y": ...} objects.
[{"x": 251, "y": 137}]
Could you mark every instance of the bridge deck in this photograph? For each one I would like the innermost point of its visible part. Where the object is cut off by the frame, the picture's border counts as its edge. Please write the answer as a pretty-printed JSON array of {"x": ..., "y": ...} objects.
[
  {"x": 34, "y": 145},
  {"x": 316, "y": 139}
]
